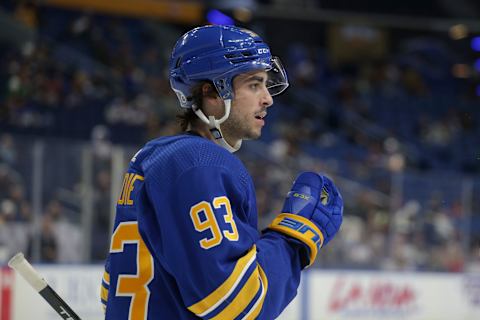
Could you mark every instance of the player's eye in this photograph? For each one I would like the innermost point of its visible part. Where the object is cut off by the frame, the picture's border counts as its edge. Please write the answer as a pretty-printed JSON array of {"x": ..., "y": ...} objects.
[{"x": 254, "y": 86}]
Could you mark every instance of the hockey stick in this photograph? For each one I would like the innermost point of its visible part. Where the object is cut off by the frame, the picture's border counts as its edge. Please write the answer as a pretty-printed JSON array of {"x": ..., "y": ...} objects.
[{"x": 34, "y": 279}]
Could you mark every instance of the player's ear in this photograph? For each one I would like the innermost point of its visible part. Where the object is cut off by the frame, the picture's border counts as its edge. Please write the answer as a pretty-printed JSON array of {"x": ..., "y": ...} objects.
[
  {"x": 212, "y": 104},
  {"x": 208, "y": 91}
]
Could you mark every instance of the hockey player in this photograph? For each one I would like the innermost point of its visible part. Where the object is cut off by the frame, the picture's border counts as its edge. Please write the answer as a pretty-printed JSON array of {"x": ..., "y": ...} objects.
[{"x": 185, "y": 243}]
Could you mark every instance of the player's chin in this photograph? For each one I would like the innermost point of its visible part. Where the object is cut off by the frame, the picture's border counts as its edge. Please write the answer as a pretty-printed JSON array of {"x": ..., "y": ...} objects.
[{"x": 254, "y": 134}]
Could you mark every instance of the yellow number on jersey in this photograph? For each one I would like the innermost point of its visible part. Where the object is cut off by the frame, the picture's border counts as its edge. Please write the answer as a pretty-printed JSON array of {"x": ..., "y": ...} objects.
[
  {"x": 134, "y": 285},
  {"x": 218, "y": 202},
  {"x": 209, "y": 222}
]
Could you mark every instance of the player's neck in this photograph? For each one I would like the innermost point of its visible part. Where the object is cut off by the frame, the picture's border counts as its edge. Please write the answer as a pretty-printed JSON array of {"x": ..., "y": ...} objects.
[{"x": 203, "y": 130}]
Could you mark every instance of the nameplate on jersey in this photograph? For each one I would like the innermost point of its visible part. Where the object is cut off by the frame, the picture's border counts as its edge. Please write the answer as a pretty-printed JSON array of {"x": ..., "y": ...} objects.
[{"x": 127, "y": 188}]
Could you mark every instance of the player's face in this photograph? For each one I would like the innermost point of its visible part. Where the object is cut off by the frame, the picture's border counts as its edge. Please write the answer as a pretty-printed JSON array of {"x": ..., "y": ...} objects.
[{"x": 249, "y": 106}]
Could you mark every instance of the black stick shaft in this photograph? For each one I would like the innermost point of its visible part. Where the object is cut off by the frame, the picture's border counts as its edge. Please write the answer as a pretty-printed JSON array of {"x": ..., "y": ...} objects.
[{"x": 57, "y": 303}]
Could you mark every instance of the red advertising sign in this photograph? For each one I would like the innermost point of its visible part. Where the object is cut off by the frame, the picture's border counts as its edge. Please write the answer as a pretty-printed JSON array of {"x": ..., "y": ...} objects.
[
  {"x": 371, "y": 296},
  {"x": 6, "y": 285}
]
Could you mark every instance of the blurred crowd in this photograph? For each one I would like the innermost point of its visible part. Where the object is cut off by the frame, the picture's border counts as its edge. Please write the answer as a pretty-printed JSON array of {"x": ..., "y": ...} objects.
[{"x": 399, "y": 133}]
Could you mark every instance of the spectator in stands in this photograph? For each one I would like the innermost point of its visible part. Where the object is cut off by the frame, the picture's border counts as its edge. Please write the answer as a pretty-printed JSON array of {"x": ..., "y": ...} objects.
[{"x": 48, "y": 241}]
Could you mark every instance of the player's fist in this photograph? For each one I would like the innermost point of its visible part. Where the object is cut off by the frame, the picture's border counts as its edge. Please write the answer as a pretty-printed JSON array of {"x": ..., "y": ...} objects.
[
  {"x": 312, "y": 212},
  {"x": 316, "y": 198}
]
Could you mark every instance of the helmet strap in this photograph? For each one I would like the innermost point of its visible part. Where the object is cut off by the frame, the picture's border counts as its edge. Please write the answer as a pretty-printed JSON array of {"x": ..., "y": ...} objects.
[{"x": 214, "y": 126}]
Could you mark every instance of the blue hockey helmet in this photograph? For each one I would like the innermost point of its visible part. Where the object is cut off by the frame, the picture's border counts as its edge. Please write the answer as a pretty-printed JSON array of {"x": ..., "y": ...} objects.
[{"x": 218, "y": 53}]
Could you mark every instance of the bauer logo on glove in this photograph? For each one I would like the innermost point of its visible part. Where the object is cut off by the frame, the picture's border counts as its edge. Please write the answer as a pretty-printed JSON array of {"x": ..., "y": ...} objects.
[{"x": 301, "y": 195}]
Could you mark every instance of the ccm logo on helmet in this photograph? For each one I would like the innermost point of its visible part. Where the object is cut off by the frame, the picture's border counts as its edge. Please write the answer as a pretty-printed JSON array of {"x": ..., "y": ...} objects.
[{"x": 262, "y": 50}]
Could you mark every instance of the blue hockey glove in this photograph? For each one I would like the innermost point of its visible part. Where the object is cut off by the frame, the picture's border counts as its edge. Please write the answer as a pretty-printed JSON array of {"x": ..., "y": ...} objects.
[{"x": 312, "y": 212}]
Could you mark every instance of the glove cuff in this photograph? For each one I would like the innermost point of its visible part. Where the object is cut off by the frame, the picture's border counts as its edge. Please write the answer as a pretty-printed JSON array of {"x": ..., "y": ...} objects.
[{"x": 301, "y": 229}]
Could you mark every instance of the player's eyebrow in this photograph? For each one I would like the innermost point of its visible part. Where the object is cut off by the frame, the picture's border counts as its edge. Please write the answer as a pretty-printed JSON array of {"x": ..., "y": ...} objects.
[{"x": 255, "y": 78}]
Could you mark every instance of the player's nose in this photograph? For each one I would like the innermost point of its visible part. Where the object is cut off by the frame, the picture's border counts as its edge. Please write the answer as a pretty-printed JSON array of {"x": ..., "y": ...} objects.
[{"x": 267, "y": 99}]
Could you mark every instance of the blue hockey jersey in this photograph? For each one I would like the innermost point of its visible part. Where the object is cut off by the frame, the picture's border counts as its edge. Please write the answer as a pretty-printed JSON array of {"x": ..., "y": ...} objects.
[{"x": 185, "y": 243}]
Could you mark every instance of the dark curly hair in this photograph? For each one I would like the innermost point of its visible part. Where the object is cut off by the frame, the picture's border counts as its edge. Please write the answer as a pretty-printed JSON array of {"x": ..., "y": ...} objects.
[{"x": 188, "y": 116}]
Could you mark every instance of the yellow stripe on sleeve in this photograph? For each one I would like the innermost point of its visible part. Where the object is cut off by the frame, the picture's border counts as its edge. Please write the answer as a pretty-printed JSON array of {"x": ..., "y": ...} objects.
[
  {"x": 103, "y": 289},
  {"x": 243, "y": 298},
  {"x": 106, "y": 277},
  {"x": 220, "y": 294},
  {"x": 104, "y": 293},
  {"x": 257, "y": 307}
]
